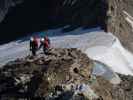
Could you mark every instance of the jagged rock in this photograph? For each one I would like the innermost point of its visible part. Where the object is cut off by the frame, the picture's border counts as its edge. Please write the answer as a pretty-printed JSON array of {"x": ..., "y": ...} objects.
[
  {"x": 5, "y": 5},
  {"x": 117, "y": 23},
  {"x": 40, "y": 76},
  {"x": 63, "y": 74}
]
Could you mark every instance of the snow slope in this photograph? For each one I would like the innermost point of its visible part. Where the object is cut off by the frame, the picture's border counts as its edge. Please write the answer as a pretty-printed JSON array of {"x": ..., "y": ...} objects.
[
  {"x": 98, "y": 45},
  {"x": 115, "y": 56}
]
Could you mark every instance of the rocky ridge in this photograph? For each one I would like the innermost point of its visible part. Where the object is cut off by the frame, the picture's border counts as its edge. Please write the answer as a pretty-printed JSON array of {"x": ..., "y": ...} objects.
[{"x": 63, "y": 74}]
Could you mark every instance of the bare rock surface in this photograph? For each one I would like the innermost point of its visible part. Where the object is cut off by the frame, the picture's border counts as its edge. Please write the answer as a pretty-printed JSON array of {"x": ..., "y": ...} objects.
[
  {"x": 119, "y": 21},
  {"x": 63, "y": 74},
  {"x": 39, "y": 76}
]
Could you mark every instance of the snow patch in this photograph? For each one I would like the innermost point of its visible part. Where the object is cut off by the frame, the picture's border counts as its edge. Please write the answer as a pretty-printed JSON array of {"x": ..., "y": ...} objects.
[
  {"x": 116, "y": 57},
  {"x": 103, "y": 70}
]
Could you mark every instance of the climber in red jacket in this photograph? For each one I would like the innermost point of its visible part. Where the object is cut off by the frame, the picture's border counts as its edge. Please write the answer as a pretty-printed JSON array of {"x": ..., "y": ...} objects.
[
  {"x": 34, "y": 45},
  {"x": 45, "y": 43}
]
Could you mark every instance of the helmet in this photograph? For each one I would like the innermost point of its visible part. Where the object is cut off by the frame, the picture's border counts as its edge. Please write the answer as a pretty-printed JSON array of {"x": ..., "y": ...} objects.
[{"x": 42, "y": 39}]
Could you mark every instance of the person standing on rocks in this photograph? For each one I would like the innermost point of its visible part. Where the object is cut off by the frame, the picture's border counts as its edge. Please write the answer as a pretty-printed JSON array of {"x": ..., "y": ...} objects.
[
  {"x": 45, "y": 43},
  {"x": 34, "y": 45}
]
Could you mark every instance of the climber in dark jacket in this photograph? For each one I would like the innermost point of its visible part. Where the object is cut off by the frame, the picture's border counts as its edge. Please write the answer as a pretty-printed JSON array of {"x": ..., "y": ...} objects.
[
  {"x": 45, "y": 43},
  {"x": 34, "y": 45}
]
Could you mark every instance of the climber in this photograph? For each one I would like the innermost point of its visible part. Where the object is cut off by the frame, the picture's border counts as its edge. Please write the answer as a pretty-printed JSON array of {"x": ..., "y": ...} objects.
[
  {"x": 45, "y": 43},
  {"x": 34, "y": 45}
]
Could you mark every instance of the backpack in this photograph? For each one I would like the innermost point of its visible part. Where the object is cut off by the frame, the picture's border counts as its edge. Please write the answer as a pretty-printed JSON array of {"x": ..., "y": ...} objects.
[{"x": 35, "y": 42}]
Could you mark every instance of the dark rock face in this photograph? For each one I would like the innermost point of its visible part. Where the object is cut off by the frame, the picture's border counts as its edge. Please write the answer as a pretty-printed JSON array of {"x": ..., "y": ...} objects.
[
  {"x": 107, "y": 91},
  {"x": 67, "y": 11},
  {"x": 117, "y": 23},
  {"x": 5, "y": 5},
  {"x": 38, "y": 15}
]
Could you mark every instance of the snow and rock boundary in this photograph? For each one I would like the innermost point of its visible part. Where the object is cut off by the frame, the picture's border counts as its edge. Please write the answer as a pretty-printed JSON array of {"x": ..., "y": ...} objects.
[{"x": 98, "y": 45}]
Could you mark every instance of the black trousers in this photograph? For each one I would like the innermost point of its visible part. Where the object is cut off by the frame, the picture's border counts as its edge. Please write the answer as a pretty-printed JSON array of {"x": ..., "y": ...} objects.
[
  {"x": 45, "y": 50},
  {"x": 34, "y": 50}
]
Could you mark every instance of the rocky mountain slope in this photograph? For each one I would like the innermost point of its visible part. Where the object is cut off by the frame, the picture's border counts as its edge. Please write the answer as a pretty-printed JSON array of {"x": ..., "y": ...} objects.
[
  {"x": 119, "y": 21},
  {"x": 63, "y": 74}
]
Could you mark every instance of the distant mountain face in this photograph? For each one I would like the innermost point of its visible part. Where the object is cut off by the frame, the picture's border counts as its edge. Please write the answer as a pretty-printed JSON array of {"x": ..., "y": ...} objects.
[
  {"x": 29, "y": 16},
  {"x": 5, "y": 5}
]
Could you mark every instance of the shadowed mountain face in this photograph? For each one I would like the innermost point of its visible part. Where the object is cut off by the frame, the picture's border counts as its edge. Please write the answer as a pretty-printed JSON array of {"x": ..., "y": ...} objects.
[
  {"x": 5, "y": 5},
  {"x": 30, "y": 16}
]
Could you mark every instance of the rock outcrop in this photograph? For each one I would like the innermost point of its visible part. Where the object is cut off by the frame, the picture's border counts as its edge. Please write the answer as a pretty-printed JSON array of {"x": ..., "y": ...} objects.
[
  {"x": 63, "y": 74},
  {"x": 39, "y": 77},
  {"x": 5, "y": 5},
  {"x": 118, "y": 21}
]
